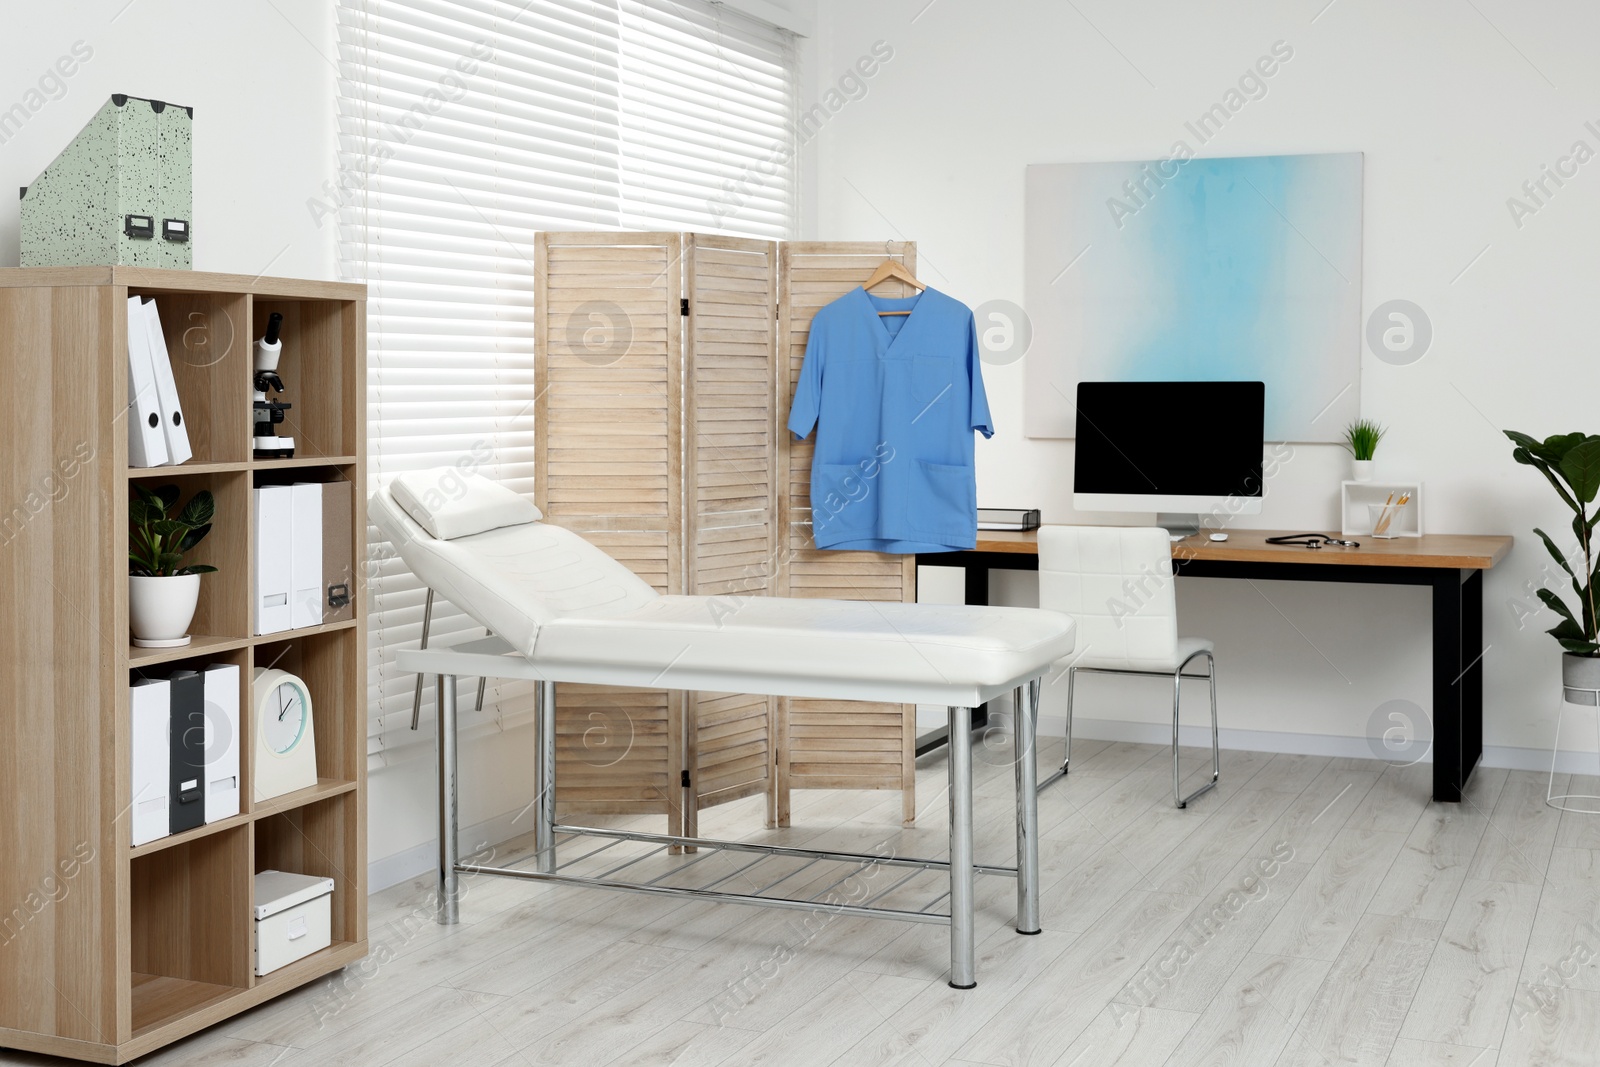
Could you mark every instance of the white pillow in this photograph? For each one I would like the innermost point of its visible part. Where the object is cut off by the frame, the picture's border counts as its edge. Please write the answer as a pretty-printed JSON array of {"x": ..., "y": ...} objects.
[{"x": 451, "y": 503}]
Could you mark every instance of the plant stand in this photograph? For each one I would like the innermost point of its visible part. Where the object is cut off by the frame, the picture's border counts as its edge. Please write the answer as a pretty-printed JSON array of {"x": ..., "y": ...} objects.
[{"x": 1580, "y": 803}]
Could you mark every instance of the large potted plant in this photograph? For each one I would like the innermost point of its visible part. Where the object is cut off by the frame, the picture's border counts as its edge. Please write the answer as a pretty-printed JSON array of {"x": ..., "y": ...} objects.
[
  {"x": 163, "y": 590},
  {"x": 1571, "y": 464}
]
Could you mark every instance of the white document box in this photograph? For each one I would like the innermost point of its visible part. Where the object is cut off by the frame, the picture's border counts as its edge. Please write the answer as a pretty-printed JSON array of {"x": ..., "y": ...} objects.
[
  {"x": 272, "y": 579},
  {"x": 293, "y": 917}
]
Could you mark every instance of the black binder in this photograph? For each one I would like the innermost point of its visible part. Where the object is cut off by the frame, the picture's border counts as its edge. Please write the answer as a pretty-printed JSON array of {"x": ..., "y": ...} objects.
[{"x": 188, "y": 740}]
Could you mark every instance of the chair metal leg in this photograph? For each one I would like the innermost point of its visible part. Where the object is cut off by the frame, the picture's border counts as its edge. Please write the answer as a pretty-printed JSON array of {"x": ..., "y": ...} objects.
[
  {"x": 1178, "y": 799},
  {"x": 1216, "y": 736},
  {"x": 1066, "y": 759},
  {"x": 1072, "y": 681}
]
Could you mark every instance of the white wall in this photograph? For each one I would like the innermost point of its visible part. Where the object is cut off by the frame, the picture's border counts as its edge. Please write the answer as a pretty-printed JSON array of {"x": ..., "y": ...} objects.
[
  {"x": 261, "y": 78},
  {"x": 1453, "y": 112}
]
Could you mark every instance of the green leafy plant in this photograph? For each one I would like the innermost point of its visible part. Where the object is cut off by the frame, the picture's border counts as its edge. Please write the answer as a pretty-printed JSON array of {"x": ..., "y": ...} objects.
[
  {"x": 158, "y": 540},
  {"x": 1571, "y": 464},
  {"x": 1361, "y": 438}
]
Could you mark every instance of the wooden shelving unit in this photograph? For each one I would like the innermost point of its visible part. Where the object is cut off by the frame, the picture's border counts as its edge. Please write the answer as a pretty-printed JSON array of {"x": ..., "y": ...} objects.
[{"x": 108, "y": 952}]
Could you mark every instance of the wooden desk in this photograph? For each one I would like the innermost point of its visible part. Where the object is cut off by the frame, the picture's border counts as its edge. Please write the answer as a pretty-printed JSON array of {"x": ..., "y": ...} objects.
[{"x": 1451, "y": 565}]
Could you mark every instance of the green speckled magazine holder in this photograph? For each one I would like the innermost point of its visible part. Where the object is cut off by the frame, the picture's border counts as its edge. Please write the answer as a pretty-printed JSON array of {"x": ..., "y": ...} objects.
[{"x": 121, "y": 193}]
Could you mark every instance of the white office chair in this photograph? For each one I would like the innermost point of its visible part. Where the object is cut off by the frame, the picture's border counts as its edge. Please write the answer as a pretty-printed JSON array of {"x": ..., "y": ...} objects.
[{"x": 1117, "y": 583}]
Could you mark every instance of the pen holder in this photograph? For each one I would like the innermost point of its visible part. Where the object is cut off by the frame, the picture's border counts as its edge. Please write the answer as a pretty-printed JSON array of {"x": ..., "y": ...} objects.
[{"x": 1386, "y": 519}]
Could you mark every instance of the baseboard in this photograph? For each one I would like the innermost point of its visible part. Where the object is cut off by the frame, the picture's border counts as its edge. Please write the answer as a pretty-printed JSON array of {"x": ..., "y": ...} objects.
[
  {"x": 1152, "y": 733},
  {"x": 421, "y": 859}
]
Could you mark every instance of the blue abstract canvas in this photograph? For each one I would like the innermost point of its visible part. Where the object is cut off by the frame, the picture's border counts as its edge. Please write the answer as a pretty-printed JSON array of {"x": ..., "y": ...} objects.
[{"x": 1198, "y": 269}]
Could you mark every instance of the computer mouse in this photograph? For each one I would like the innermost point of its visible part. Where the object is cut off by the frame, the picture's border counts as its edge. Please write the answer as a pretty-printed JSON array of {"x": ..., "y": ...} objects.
[{"x": 1219, "y": 537}]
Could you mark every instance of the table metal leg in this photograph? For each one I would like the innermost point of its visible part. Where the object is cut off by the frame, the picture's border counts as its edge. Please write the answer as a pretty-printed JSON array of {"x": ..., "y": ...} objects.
[
  {"x": 448, "y": 908},
  {"x": 545, "y": 780},
  {"x": 963, "y": 943},
  {"x": 1023, "y": 737}
]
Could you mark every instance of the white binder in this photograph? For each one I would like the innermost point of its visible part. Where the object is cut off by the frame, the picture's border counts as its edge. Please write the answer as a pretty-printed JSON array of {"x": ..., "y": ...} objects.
[
  {"x": 150, "y": 701},
  {"x": 147, "y": 442},
  {"x": 177, "y": 435},
  {"x": 273, "y": 575},
  {"x": 306, "y": 555},
  {"x": 222, "y": 741}
]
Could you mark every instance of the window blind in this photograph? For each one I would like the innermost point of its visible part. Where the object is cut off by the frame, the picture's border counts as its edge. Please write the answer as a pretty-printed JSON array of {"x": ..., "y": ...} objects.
[{"x": 464, "y": 128}]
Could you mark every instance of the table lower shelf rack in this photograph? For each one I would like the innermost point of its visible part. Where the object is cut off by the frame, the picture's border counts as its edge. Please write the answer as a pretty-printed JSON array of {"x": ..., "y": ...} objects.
[{"x": 849, "y": 893}]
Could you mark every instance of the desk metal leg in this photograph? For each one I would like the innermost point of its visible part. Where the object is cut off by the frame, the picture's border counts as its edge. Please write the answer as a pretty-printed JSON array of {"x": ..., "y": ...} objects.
[
  {"x": 448, "y": 908},
  {"x": 963, "y": 943},
  {"x": 1457, "y": 680},
  {"x": 1026, "y": 762},
  {"x": 545, "y": 780}
]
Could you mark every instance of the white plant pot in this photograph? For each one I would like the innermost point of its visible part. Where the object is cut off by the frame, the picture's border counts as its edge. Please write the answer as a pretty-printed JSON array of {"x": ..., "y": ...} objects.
[
  {"x": 1361, "y": 470},
  {"x": 1580, "y": 679},
  {"x": 161, "y": 609}
]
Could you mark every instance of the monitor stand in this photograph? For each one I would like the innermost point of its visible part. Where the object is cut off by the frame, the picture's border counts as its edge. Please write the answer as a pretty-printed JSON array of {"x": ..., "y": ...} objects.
[{"x": 1178, "y": 524}]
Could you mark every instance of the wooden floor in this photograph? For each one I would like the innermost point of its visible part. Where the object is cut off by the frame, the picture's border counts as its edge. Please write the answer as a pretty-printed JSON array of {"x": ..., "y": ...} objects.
[{"x": 1309, "y": 912}]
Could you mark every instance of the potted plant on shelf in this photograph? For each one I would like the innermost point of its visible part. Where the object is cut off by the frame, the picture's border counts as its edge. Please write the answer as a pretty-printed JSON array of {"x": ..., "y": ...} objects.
[
  {"x": 162, "y": 589},
  {"x": 1571, "y": 463},
  {"x": 1361, "y": 440}
]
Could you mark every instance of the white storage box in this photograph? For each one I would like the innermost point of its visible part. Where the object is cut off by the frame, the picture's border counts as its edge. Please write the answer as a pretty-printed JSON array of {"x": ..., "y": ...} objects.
[{"x": 293, "y": 918}]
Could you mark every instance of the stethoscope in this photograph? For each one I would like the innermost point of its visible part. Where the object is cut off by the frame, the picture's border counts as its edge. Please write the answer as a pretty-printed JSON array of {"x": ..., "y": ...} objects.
[{"x": 1312, "y": 540}]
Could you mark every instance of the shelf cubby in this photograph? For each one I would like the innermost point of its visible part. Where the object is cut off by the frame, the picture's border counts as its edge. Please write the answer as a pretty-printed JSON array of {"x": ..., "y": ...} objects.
[
  {"x": 319, "y": 381},
  {"x": 190, "y": 925},
  {"x": 222, "y": 616},
  {"x": 319, "y": 839},
  {"x": 329, "y": 662},
  {"x": 208, "y": 344}
]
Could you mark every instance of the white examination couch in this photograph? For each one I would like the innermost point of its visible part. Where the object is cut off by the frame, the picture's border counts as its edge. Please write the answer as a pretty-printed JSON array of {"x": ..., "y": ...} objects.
[{"x": 561, "y": 610}]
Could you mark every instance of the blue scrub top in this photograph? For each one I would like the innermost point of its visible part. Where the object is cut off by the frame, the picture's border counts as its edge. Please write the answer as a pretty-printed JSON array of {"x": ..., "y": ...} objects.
[{"x": 894, "y": 400}]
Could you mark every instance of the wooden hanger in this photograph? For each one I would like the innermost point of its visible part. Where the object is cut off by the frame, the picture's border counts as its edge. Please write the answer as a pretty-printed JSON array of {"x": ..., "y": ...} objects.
[{"x": 893, "y": 268}]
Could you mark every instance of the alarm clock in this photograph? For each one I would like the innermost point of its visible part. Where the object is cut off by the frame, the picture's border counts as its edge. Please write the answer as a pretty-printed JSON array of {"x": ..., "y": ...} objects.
[{"x": 286, "y": 745}]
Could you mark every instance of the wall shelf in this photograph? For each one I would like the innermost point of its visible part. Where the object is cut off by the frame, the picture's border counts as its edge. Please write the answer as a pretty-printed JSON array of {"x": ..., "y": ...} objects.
[{"x": 152, "y": 944}]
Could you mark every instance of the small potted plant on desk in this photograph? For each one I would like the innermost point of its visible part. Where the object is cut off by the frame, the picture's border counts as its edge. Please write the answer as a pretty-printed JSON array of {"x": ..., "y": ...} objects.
[
  {"x": 162, "y": 589},
  {"x": 1571, "y": 463},
  {"x": 1361, "y": 441}
]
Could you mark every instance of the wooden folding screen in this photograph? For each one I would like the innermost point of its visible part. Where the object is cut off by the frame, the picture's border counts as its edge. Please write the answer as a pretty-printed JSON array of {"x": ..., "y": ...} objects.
[
  {"x": 730, "y": 465},
  {"x": 665, "y": 365},
  {"x": 832, "y": 744},
  {"x": 609, "y": 417}
]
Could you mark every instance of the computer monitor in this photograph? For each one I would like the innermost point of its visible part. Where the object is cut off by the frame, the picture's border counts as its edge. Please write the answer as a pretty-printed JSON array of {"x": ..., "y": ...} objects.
[{"x": 1175, "y": 448}]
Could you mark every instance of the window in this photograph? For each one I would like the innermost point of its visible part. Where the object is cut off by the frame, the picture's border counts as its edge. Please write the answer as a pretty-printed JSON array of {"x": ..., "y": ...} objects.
[{"x": 466, "y": 127}]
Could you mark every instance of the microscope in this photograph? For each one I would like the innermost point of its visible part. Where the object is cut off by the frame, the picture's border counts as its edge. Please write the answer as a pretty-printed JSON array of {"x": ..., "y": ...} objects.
[{"x": 267, "y": 443}]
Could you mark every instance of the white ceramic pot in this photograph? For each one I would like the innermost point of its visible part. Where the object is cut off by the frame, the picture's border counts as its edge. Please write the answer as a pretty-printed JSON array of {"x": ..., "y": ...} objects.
[
  {"x": 160, "y": 609},
  {"x": 1361, "y": 470}
]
